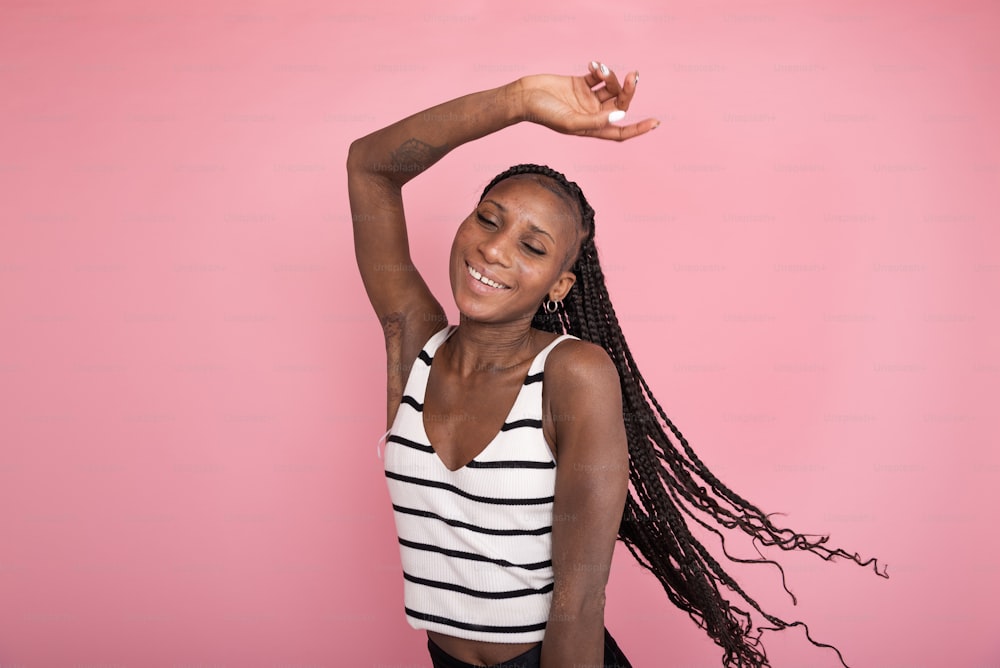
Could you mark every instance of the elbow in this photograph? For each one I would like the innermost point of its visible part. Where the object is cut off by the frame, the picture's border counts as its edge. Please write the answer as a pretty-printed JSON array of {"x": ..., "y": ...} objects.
[
  {"x": 363, "y": 159},
  {"x": 591, "y": 605},
  {"x": 361, "y": 154},
  {"x": 355, "y": 156},
  {"x": 365, "y": 165},
  {"x": 583, "y": 604}
]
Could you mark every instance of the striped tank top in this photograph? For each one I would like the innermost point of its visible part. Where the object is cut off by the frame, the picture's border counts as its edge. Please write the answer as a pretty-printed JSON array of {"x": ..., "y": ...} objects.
[{"x": 476, "y": 543}]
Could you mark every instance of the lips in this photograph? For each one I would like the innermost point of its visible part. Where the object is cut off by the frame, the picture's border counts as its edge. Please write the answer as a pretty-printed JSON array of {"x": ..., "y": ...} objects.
[{"x": 485, "y": 280}]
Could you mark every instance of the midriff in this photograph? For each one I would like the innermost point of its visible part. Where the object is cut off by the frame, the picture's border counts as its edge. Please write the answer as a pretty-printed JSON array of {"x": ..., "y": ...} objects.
[{"x": 477, "y": 652}]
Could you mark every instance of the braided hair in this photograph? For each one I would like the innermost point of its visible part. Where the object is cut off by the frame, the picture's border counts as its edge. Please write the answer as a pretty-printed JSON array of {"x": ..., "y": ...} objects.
[{"x": 667, "y": 481}]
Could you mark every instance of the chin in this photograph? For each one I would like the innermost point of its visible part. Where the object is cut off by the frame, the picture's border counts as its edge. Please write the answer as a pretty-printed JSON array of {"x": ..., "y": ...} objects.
[{"x": 474, "y": 314}]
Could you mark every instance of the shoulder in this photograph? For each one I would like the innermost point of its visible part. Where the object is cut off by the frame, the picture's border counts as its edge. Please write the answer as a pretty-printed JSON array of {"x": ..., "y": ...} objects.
[
  {"x": 575, "y": 362},
  {"x": 581, "y": 378},
  {"x": 583, "y": 406}
]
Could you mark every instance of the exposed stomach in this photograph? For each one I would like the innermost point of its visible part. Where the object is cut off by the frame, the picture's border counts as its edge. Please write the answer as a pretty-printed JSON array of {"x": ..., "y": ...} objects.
[{"x": 477, "y": 652}]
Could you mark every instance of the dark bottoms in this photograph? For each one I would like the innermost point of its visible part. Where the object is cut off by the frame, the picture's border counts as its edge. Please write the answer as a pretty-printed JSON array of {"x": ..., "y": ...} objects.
[{"x": 613, "y": 657}]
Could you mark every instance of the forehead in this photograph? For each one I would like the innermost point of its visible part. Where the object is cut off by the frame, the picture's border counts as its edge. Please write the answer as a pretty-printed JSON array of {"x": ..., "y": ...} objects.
[{"x": 538, "y": 198}]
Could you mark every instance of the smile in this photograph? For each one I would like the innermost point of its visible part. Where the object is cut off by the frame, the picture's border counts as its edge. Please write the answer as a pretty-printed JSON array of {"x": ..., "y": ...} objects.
[{"x": 482, "y": 279}]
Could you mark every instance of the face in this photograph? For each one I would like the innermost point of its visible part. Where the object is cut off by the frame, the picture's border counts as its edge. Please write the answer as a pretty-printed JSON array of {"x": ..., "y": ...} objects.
[{"x": 513, "y": 251}]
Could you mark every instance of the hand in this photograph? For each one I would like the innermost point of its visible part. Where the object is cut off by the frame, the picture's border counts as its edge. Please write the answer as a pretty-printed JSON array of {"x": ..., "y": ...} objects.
[{"x": 581, "y": 105}]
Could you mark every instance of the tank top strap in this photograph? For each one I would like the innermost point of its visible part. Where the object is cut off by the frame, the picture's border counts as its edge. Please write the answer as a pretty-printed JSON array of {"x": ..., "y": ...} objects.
[
  {"x": 538, "y": 365},
  {"x": 437, "y": 338}
]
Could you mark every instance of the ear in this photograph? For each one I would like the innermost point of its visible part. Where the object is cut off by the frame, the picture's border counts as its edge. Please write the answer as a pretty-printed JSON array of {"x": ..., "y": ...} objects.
[{"x": 562, "y": 285}]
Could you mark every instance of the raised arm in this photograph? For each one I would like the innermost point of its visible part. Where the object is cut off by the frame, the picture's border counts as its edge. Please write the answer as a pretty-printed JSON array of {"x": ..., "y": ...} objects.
[
  {"x": 379, "y": 164},
  {"x": 377, "y": 167}
]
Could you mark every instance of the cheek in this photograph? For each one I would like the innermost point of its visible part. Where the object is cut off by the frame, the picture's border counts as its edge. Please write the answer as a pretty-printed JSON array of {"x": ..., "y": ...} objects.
[
  {"x": 463, "y": 237},
  {"x": 539, "y": 275},
  {"x": 460, "y": 241}
]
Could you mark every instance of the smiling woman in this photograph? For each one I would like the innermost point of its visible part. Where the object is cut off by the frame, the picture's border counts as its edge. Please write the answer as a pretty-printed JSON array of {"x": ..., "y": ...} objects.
[
  {"x": 516, "y": 246},
  {"x": 515, "y": 435}
]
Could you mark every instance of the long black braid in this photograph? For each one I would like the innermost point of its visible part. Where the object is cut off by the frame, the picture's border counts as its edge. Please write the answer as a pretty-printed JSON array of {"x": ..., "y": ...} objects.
[{"x": 667, "y": 481}]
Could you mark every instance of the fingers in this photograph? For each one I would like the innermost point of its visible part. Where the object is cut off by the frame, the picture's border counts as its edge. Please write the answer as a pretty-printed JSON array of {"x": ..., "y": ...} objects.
[
  {"x": 620, "y": 94},
  {"x": 623, "y": 132},
  {"x": 593, "y": 74},
  {"x": 614, "y": 96},
  {"x": 627, "y": 91},
  {"x": 599, "y": 126}
]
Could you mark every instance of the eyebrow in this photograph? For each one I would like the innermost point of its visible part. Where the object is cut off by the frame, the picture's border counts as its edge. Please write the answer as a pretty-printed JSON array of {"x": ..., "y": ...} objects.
[{"x": 531, "y": 226}]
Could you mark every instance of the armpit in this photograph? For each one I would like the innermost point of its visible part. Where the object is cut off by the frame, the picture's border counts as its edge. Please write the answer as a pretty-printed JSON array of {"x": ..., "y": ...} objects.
[{"x": 392, "y": 329}]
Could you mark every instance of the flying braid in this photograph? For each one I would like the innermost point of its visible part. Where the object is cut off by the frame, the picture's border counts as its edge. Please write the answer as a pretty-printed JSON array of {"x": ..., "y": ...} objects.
[{"x": 668, "y": 482}]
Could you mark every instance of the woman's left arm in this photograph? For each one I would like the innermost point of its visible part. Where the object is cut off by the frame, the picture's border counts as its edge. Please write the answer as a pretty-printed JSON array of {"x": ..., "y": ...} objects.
[{"x": 584, "y": 418}]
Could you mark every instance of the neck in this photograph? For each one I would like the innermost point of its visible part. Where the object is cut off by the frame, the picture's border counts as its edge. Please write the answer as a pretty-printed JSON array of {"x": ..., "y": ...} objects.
[{"x": 476, "y": 347}]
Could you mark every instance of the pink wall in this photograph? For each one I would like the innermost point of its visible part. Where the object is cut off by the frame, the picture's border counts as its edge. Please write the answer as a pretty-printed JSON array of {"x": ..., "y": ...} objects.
[{"x": 804, "y": 257}]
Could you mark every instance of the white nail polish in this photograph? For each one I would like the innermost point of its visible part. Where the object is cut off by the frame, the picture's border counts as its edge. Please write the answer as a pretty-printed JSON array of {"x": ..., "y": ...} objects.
[
  {"x": 593, "y": 64},
  {"x": 616, "y": 115},
  {"x": 604, "y": 69}
]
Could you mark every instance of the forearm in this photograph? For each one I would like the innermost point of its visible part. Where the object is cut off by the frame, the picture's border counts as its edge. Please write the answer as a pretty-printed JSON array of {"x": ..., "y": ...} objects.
[
  {"x": 574, "y": 634},
  {"x": 401, "y": 151}
]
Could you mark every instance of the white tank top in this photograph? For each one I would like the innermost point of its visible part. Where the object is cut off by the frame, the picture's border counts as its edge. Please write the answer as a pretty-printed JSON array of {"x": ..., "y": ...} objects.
[{"x": 476, "y": 543}]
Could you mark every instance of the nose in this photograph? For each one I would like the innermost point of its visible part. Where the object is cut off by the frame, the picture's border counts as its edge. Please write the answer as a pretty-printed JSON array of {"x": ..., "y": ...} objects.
[{"x": 495, "y": 249}]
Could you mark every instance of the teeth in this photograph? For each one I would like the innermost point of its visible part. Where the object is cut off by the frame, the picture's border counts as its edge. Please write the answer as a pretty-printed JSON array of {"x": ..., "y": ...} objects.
[{"x": 482, "y": 279}]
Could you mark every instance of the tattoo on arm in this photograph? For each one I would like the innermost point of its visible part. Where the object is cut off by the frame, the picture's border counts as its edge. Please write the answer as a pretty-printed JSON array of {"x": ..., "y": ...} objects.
[{"x": 415, "y": 156}]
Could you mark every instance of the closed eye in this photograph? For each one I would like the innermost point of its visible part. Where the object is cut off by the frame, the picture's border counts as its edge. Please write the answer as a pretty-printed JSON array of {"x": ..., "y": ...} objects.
[{"x": 486, "y": 222}]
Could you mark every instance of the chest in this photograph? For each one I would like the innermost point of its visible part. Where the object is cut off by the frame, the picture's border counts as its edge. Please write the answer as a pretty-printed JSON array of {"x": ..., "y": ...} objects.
[{"x": 462, "y": 418}]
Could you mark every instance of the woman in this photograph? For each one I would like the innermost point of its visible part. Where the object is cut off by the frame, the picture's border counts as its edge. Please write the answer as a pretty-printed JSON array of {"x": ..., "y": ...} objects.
[{"x": 515, "y": 434}]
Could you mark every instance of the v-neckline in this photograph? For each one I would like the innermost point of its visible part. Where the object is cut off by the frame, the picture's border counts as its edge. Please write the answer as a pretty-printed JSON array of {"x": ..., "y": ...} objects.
[{"x": 506, "y": 419}]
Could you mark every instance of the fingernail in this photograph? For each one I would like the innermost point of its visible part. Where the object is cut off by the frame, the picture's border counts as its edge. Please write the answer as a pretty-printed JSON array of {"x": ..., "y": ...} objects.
[
  {"x": 604, "y": 69},
  {"x": 616, "y": 115},
  {"x": 593, "y": 64},
  {"x": 636, "y": 80},
  {"x": 656, "y": 126}
]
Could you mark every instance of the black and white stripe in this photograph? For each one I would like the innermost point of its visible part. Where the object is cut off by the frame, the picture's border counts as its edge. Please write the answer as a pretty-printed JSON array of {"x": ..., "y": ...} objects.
[{"x": 475, "y": 544}]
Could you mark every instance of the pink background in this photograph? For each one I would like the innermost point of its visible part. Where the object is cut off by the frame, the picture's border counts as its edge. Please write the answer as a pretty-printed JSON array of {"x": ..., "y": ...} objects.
[{"x": 804, "y": 257}]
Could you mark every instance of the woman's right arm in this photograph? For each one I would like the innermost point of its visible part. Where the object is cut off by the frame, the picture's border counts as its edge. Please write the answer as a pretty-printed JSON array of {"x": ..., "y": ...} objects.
[{"x": 379, "y": 164}]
